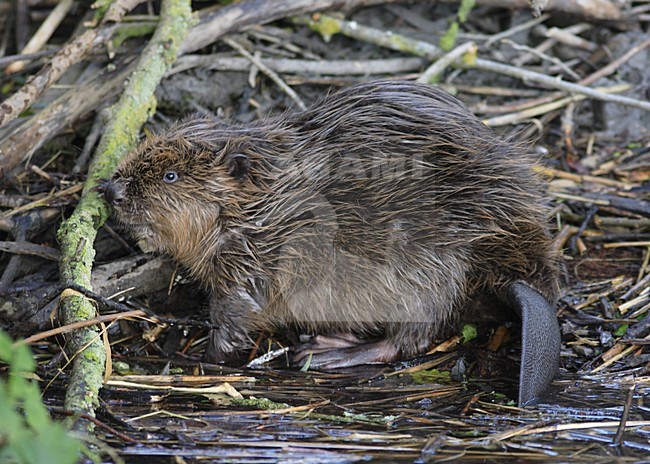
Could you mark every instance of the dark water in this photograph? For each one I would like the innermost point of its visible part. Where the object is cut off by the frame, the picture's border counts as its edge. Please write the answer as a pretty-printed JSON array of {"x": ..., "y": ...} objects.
[{"x": 365, "y": 416}]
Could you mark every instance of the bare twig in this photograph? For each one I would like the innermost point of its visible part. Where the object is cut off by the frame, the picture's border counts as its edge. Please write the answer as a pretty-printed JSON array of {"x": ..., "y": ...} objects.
[
  {"x": 64, "y": 329},
  {"x": 433, "y": 72},
  {"x": 550, "y": 42},
  {"x": 72, "y": 53},
  {"x": 567, "y": 37},
  {"x": 515, "y": 118},
  {"x": 7, "y": 60},
  {"x": 543, "y": 56},
  {"x": 234, "y": 17},
  {"x": 516, "y": 29},
  {"x": 615, "y": 64},
  {"x": 268, "y": 71},
  {"x": 500, "y": 68},
  {"x": 527, "y": 430},
  {"x": 32, "y": 134},
  {"x": 91, "y": 140},
  {"x": 327, "y": 26}
]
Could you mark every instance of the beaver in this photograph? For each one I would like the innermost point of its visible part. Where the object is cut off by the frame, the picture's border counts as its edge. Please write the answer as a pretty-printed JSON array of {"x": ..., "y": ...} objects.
[{"x": 386, "y": 208}]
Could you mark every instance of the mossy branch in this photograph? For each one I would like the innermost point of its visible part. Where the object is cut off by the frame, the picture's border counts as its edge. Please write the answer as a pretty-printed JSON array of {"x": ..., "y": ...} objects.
[{"x": 77, "y": 234}]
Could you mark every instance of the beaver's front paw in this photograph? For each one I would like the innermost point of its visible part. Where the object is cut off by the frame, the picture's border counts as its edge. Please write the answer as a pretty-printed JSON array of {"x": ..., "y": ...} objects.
[{"x": 220, "y": 350}]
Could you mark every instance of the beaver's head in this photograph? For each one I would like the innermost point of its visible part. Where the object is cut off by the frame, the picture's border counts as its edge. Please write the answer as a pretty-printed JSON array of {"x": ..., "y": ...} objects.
[{"x": 180, "y": 192}]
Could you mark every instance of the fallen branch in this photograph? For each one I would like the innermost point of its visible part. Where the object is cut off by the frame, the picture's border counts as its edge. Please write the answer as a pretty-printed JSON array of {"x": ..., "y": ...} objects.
[
  {"x": 77, "y": 234},
  {"x": 222, "y": 62},
  {"x": 594, "y": 9}
]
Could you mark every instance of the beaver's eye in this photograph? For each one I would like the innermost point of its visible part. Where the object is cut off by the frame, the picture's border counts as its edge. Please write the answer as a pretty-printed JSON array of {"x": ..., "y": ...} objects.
[{"x": 170, "y": 176}]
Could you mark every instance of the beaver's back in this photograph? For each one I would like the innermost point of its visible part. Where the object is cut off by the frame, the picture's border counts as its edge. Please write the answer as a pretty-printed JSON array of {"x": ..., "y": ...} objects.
[{"x": 404, "y": 178}]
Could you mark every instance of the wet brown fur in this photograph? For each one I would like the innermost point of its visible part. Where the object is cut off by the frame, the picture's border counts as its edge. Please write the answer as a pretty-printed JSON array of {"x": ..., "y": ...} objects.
[{"x": 386, "y": 206}]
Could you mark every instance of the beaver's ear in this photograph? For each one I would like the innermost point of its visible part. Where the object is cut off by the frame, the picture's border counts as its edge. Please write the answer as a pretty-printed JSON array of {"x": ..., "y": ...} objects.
[{"x": 237, "y": 165}]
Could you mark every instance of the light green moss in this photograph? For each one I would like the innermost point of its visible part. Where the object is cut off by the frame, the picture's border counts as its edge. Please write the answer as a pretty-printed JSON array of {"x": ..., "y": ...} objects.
[
  {"x": 406, "y": 45},
  {"x": 259, "y": 403},
  {"x": 448, "y": 40},
  {"x": 464, "y": 9},
  {"x": 129, "y": 30},
  {"x": 101, "y": 6},
  {"x": 326, "y": 26}
]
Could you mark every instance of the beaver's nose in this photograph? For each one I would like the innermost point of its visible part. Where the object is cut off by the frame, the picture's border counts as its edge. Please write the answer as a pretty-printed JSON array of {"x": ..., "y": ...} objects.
[{"x": 114, "y": 192}]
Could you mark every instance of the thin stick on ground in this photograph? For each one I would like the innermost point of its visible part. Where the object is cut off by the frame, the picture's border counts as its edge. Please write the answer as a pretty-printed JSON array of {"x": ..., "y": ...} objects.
[{"x": 136, "y": 313}]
